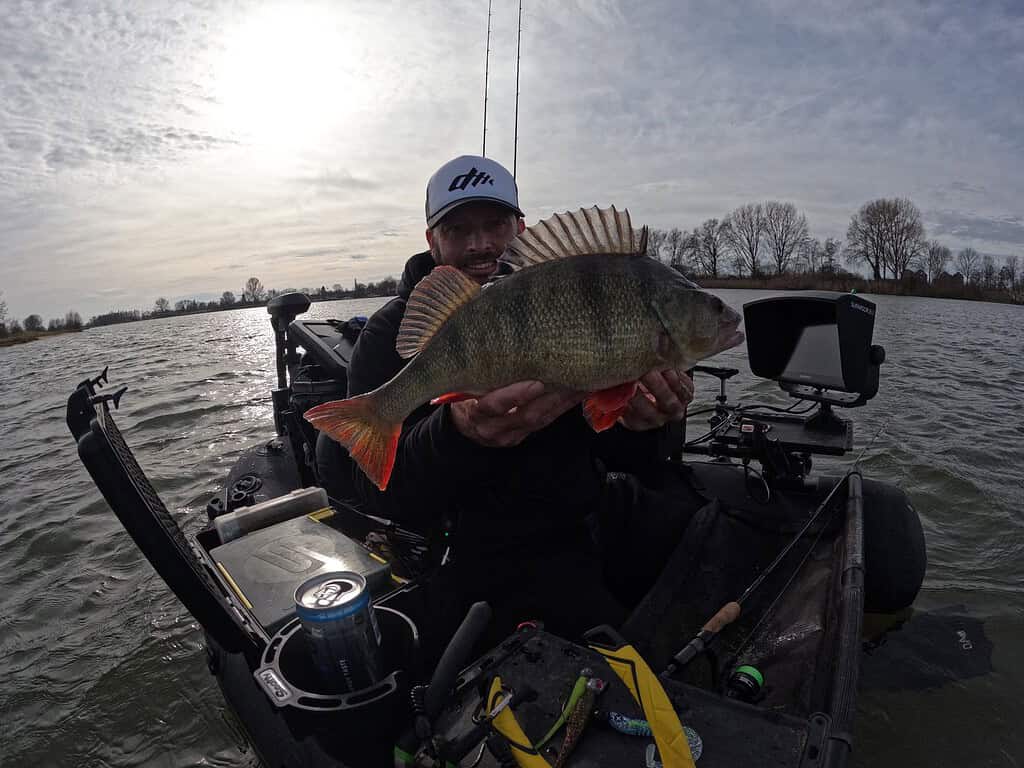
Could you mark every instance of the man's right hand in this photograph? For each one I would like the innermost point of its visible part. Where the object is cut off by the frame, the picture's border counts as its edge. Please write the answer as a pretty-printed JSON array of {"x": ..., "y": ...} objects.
[{"x": 505, "y": 417}]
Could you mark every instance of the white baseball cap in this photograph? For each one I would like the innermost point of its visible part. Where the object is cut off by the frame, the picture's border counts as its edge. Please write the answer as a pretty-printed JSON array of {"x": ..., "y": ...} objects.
[{"x": 466, "y": 179}]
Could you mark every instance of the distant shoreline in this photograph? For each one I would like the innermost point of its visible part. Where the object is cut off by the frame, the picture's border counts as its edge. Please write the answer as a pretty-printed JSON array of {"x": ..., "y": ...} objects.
[
  {"x": 842, "y": 283},
  {"x": 193, "y": 307},
  {"x": 847, "y": 283},
  {"x": 24, "y": 337}
]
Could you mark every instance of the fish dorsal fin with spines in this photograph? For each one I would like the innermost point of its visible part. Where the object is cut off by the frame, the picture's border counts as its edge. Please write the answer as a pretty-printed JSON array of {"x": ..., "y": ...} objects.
[
  {"x": 432, "y": 302},
  {"x": 579, "y": 233}
]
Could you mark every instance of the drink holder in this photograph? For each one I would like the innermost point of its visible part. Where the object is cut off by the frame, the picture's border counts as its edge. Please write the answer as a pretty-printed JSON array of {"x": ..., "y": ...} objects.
[{"x": 288, "y": 677}]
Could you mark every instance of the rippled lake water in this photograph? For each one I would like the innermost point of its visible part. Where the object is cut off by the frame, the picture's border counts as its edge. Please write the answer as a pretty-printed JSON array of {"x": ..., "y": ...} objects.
[{"x": 101, "y": 665}]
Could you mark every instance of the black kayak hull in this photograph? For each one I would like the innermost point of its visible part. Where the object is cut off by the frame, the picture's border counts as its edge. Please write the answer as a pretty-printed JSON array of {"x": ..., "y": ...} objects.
[{"x": 806, "y": 723}]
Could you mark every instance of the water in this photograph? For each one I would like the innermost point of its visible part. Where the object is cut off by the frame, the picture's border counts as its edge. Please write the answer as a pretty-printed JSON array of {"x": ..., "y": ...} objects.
[{"x": 103, "y": 667}]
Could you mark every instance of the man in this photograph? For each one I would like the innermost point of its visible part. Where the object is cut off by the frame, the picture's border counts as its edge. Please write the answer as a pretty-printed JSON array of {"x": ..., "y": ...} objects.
[{"x": 540, "y": 526}]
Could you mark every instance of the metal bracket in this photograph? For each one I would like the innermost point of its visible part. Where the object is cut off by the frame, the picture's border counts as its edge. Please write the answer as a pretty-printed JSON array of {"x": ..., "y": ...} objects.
[{"x": 113, "y": 397}]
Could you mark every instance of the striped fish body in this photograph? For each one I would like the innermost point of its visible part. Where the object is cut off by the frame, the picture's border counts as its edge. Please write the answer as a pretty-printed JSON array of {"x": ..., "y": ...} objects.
[
  {"x": 580, "y": 323},
  {"x": 584, "y": 312}
]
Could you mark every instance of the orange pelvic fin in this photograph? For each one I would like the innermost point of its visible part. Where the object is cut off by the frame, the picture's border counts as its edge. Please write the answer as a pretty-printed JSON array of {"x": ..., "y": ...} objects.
[
  {"x": 452, "y": 397},
  {"x": 370, "y": 440},
  {"x": 603, "y": 408}
]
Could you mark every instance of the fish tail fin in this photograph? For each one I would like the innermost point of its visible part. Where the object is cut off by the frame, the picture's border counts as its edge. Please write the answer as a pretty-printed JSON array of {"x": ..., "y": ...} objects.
[{"x": 370, "y": 440}]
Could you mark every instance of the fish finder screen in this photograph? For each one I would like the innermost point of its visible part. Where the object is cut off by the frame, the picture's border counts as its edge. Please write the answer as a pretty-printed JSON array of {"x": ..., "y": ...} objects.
[{"x": 815, "y": 359}]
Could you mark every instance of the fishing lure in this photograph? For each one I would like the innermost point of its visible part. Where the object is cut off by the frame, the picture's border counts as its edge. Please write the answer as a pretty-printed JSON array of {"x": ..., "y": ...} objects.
[
  {"x": 630, "y": 726},
  {"x": 578, "y": 719}
]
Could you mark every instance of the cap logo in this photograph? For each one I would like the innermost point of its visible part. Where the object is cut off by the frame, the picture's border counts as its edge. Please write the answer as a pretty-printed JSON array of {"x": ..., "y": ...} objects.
[{"x": 471, "y": 178}]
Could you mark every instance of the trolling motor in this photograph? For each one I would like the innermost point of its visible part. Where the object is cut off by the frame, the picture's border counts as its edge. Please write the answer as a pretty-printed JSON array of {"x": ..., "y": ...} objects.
[
  {"x": 817, "y": 346},
  {"x": 283, "y": 310}
]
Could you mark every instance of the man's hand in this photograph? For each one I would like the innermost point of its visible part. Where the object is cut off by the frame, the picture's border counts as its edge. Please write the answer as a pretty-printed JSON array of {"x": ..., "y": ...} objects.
[
  {"x": 661, "y": 397},
  {"x": 506, "y": 416}
]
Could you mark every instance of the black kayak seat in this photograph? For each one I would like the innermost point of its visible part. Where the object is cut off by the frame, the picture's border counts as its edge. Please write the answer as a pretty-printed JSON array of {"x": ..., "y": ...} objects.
[{"x": 133, "y": 499}]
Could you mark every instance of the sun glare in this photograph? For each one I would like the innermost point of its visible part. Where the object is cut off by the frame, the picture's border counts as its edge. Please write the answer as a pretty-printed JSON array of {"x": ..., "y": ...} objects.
[{"x": 287, "y": 74}]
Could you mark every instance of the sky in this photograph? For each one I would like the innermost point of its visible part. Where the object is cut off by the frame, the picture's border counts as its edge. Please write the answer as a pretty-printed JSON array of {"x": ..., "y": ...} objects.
[{"x": 158, "y": 149}]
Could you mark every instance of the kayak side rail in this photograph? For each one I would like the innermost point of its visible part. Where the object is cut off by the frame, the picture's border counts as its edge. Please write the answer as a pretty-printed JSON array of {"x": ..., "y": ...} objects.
[
  {"x": 131, "y": 496},
  {"x": 851, "y": 619}
]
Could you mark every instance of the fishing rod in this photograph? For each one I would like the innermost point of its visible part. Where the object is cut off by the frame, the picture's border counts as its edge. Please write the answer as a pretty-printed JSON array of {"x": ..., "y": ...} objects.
[
  {"x": 515, "y": 130},
  {"x": 731, "y": 611},
  {"x": 487, "y": 70}
]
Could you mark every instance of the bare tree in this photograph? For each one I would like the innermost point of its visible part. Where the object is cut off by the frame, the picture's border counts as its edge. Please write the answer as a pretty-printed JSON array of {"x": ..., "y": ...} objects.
[
  {"x": 738, "y": 264},
  {"x": 254, "y": 290},
  {"x": 227, "y": 299},
  {"x": 708, "y": 243},
  {"x": 785, "y": 230},
  {"x": 887, "y": 235},
  {"x": 934, "y": 260},
  {"x": 1005, "y": 279},
  {"x": 988, "y": 271},
  {"x": 33, "y": 323},
  {"x": 967, "y": 262},
  {"x": 906, "y": 236},
  {"x": 691, "y": 244},
  {"x": 656, "y": 243},
  {"x": 811, "y": 254},
  {"x": 864, "y": 239},
  {"x": 675, "y": 249},
  {"x": 745, "y": 233},
  {"x": 3, "y": 309},
  {"x": 830, "y": 254},
  {"x": 1011, "y": 267},
  {"x": 72, "y": 320},
  {"x": 161, "y": 306}
]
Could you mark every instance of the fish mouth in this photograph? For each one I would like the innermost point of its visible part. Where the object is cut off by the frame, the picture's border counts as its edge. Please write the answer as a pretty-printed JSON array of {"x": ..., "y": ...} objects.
[{"x": 729, "y": 334}]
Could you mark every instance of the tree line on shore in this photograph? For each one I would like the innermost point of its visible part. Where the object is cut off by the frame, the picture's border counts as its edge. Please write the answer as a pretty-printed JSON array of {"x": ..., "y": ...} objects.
[
  {"x": 768, "y": 242},
  {"x": 33, "y": 324},
  {"x": 253, "y": 294},
  {"x": 757, "y": 245}
]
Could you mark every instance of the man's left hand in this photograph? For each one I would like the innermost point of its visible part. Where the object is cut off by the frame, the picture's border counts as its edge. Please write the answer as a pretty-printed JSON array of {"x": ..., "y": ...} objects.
[{"x": 661, "y": 397}]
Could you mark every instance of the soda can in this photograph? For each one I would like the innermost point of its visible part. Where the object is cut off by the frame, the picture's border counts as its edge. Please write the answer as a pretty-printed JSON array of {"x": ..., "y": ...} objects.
[{"x": 339, "y": 622}]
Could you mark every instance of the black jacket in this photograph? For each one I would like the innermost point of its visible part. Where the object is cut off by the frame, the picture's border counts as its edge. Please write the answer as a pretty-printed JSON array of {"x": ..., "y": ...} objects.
[{"x": 500, "y": 499}]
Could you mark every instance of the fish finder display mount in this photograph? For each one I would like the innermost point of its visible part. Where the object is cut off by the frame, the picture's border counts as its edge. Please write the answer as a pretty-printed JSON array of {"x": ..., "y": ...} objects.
[{"x": 818, "y": 347}]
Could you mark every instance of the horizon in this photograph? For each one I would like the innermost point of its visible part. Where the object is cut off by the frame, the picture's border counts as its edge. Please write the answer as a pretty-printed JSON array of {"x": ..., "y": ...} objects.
[{"x": 177, "y": 151}]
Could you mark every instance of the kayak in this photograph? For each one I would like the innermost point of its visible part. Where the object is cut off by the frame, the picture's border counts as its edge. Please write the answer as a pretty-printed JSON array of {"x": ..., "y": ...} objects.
[{"x": 773, "y": 685}]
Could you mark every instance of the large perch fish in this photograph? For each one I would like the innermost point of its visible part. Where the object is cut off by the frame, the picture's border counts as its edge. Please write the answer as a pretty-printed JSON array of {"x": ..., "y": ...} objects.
[{"x": 584, "y": 309}]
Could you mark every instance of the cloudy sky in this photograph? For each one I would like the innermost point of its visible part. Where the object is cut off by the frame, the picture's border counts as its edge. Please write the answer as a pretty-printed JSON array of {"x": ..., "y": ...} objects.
[{"x": 151, "y": 148}]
